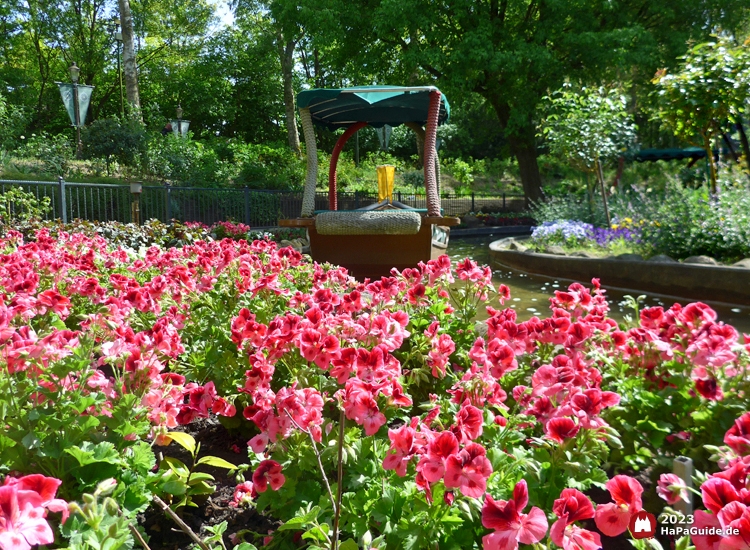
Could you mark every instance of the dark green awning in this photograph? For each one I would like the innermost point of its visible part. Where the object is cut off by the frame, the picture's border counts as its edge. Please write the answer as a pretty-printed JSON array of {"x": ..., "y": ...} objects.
[
  {"x": 652, "y": 155},
  {"x": 376, "y": 105}
]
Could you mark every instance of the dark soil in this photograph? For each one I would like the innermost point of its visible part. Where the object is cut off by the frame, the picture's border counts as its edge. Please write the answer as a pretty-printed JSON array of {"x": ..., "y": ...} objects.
[{"x": 216, "y": 440}]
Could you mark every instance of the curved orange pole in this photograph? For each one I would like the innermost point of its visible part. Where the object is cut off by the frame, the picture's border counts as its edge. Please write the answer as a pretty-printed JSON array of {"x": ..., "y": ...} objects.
[{"x": 350, "y": 131}]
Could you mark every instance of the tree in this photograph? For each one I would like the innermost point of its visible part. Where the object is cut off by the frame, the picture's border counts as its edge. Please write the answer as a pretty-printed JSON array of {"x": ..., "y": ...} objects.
[
  {"x": 511, "y": 52},
  {"x": 588, "y": 127},
  {"x": 12, "y": 121},
  {"x": 711, "y": 86},
  {"x": 287, "y": 32},
  {"x": 129, "y": 65}
]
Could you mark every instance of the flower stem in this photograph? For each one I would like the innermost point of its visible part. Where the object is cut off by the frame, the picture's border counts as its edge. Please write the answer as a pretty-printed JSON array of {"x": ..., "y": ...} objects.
[
  {"x": 340, "y": 487},
  {"x": 317, "y": 455}
]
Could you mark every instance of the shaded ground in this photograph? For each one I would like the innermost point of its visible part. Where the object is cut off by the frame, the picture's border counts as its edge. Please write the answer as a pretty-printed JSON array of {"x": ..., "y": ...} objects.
[{"x": 217, "y": 441}]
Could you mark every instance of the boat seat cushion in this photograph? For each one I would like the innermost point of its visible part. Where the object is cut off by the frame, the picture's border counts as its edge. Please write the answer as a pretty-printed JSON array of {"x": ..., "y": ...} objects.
[{"x": 375, "y": 222}]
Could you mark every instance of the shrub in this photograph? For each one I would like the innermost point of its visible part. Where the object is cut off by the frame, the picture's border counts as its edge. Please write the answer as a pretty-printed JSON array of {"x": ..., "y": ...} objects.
[
  {"x": 12, "y": 122},
  {"x": 55, "y": 152},
  {"x": 113, "y": 140},
  {"x": 186, "y": 162},
  {"x": 18, "y": 206},
  {"x": 692, "y": 222},
  {"x": 268, "y": 167}
]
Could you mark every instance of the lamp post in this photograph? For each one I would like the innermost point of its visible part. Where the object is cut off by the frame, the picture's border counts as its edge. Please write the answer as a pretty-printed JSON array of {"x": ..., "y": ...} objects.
[
  {"x": 135, "y": 205},
  {"x": 74, "y": 74},
  {"x": 76, "y": 98},
  {"x": 180, "y": 126}
]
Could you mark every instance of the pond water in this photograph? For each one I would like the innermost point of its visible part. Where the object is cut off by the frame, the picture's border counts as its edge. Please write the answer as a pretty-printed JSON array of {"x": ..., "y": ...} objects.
[{"x": 530, "y": 293}]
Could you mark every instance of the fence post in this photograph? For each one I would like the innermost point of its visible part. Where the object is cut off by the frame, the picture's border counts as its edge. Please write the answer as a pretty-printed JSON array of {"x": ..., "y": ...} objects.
[
  {"x": 399, "y": 196},
  {"x": 356, "y": 193},
  {"x": 472, "y": 202},
  {"x": 167, "y": 203},
  {"x": 247, "y": 205},
  {"x": 63, "y": 202},
  {"x": 503, "y": 201}
]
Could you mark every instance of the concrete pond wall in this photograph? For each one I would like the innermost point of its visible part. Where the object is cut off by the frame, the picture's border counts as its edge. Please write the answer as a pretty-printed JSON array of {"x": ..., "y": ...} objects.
[{"x": 692, "y": 281}]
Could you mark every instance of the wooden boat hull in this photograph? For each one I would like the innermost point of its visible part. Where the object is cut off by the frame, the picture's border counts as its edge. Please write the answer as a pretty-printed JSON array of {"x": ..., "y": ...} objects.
[{"x": 373, "y": 256}]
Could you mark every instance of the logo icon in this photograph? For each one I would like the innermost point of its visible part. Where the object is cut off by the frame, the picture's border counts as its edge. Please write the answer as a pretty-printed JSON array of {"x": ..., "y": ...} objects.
[{"x": 642, "y": 525}]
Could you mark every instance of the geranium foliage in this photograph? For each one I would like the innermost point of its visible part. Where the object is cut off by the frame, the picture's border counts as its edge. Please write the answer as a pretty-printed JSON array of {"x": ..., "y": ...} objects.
[{"x": 378, "y": 413}]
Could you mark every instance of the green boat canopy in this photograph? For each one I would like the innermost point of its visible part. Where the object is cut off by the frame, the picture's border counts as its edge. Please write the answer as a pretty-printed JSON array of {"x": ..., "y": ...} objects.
[
  {"x": 652, "y": 155},
  {"x": 376, "y": 105}
]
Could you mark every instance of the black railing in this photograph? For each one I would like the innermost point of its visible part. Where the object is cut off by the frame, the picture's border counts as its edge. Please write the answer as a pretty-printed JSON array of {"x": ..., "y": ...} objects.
[{"x": 256, "y": 208}]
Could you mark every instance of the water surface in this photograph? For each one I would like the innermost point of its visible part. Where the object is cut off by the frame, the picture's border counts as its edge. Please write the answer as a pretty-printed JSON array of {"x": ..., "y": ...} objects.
[{"x": 530, "y": 293}]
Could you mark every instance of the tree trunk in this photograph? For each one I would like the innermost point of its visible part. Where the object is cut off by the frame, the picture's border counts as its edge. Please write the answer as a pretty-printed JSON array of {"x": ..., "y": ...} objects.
[
  {"x": 286, "y": 53},
  {"x": 523, "y": 147},
  {"x": 419, "y": 134},
  {"x": 745, "y": 144},
  {"x": 600, "y": 177},
  {"x": 710, "y": 159},
  {"x": 129, "y": 67},
  {"x": 531, "y": 179}
]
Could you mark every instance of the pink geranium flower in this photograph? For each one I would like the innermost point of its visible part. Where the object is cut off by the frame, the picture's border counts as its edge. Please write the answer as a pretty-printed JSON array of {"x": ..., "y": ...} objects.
[
  {"x": 672, "y": 488},
  {"x": 738, "y": 436},
  {"x": 23, "y": 506},
  {"x": 573, "y": 506},
  {"x": 468, "y": 471},
  {"x": 432, "y": 464},
  {"x": 510, "y": 525},
  {"x": 612, "y": 519},
  {"x": 268, "y": 472}
]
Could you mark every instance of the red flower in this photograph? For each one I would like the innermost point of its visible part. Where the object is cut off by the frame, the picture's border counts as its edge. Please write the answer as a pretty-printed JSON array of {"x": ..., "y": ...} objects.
[
  {"x": 717, "y": 493},
  {"x": 23, "y": 505},
  {"x": 432, "y": 465},
  {"x": 510, "y": 525},
  {"x": 268, "y": 471},
  {"x": 735, "y": 516},
  {"x": 503, "y": 293},
  {"x": 703, "y": 521},
  {"x": 573, "y": 506},
  {"x": 738, "y": 436},
  {"x": 612, "y": 519},
  {"x": 469, "y": 420},
  {"x": 469, "y": 471},
  {"x": 561, "y": 428}
]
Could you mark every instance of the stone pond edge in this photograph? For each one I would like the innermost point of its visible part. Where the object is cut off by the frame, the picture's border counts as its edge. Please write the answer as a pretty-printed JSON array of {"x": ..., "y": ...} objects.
[{"x": 726, "y": 284}]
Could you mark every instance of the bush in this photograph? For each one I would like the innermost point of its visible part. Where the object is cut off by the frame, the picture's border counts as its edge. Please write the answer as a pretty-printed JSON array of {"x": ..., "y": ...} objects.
[
  {"x": 268, "y": 167},
  {"x": 112, "y": 140},
  {"x": 55, "y": 152},
  {"x": 12, "y": 122},
  {"x": 692, "y": 222},
  {"x": 18, "y": 206},
  {"x": 186, "y": 162}
]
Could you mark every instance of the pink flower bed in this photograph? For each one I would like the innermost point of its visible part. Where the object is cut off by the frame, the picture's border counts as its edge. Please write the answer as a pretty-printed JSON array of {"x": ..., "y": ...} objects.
[{"x": 379, "y": 412}]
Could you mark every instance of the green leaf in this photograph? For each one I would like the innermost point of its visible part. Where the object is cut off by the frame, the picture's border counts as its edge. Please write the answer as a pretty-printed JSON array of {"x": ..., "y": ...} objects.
[
  {"x": 201, "y": 488},
  {"x": 31, "y": 441},
  {"x": 245, "y": 546},
  {"x": 175, "y": 487},
  {"x": 88, "y": 453},
  {"x": 301, "y": 521},
  {"x": 177, "y": 466},
  {"x": 217, "y": 462},
  {"x": 348, "y": 544},
  {"x": 186, "y": 440}
]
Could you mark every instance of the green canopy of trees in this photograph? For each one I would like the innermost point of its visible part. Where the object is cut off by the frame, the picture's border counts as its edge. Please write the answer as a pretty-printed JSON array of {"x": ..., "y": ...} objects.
[{"x": 495, "y": 59}]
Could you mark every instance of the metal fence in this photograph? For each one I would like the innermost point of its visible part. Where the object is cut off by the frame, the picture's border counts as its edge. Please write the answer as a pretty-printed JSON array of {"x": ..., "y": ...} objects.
[{"x": 256, "y": 208}]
